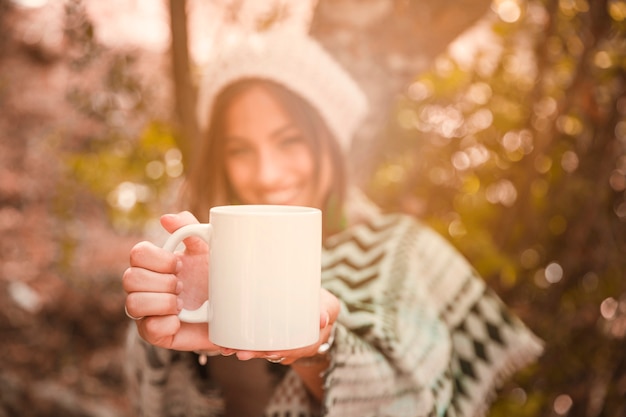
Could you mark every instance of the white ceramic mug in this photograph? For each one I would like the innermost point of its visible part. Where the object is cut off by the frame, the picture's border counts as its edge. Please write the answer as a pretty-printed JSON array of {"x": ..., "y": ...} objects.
[{"x": 264, "y": 276}]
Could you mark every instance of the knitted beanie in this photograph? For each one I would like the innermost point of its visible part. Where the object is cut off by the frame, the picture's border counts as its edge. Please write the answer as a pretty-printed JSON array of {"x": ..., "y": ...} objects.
[{"x": 295, "y": 61}]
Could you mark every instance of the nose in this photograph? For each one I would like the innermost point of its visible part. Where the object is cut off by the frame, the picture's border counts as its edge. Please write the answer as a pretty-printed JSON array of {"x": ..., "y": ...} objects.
[{"x": 269, "y": 169}]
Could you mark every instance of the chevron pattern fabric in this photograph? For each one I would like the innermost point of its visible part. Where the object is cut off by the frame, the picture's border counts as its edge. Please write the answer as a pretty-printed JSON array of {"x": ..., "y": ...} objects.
[{"x": 420, "y": 333}]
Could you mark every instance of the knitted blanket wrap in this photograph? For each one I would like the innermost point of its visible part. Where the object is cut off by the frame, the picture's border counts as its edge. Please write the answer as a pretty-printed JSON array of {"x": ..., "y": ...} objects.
[{"x": 419, "y": 334}]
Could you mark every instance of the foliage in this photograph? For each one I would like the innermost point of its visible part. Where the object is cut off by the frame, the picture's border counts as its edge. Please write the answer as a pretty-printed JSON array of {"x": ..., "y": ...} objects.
[
  {"x": 132, "y": 170},
  {"x": 519, "y": 156},
  {"x": 139, "y": 174}
]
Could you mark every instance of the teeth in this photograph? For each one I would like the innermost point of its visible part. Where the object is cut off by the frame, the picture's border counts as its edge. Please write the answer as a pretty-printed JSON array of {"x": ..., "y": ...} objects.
[{"x": 280, "y": 197}]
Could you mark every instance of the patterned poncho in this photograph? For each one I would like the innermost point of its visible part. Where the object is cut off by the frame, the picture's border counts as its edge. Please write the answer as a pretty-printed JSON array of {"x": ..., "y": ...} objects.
[{"x": 419, "y": 334}]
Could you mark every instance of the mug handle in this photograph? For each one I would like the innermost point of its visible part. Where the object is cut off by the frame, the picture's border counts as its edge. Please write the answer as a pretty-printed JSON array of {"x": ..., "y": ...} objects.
[{"x": 204, "y": 232}]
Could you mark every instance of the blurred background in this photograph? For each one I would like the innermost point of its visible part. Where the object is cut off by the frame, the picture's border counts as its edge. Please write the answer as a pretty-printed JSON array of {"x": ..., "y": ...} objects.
[{"x": 501, "y": 123}]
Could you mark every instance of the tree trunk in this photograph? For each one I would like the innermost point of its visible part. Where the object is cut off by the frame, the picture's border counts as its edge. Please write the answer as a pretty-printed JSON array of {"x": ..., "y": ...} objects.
[{"x": 184, "y": 91}]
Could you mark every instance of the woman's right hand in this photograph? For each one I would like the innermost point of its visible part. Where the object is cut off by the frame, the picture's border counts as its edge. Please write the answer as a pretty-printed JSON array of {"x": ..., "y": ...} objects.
[{"x": 158, "y": 286}]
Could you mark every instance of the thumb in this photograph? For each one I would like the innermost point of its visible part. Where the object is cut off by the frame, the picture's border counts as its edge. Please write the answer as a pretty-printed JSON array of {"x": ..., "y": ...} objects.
[
  {"x": 173, "y": 222},
  {"x": 330, "y": 308}
]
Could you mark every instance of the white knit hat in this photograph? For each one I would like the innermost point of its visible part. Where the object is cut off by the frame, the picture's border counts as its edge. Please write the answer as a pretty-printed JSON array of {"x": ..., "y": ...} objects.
[{"x": 295, "y": 61}]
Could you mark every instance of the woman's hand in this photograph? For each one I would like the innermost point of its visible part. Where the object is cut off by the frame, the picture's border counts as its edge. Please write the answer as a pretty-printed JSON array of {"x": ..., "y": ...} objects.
[
  {"x": 159, "y": 283},
  {"x": 329, "y": 310}
]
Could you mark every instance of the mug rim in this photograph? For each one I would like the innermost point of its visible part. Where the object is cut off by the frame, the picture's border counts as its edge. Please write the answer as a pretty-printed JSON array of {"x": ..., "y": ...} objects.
[{"x": 263, "y": 209}]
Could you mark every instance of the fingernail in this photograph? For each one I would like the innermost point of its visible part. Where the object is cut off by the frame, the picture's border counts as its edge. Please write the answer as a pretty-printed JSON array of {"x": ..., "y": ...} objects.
[
  {"x": 179, "y": 287},
  {"x": 326, "y": 320},
  {"x": 179, "y": 304},
  {"x": 179, "y": 266},
  {"x": 244, "y": 356},
  {"x": 275, "y": 358}
]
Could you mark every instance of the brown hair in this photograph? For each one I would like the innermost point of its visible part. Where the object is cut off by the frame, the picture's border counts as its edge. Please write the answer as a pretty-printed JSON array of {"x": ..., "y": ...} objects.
[{"x": 207, "y": 184}]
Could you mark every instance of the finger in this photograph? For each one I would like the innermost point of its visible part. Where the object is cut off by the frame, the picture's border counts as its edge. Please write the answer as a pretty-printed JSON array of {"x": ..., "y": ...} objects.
[
  {"x": 159, "y": 330},
  {"x": 143, "y": 280},
  {"x": 169, "y": 332},
  {"x": 173, "y": 222},
  {"x": 329, "y": 311},
  {"x": 284, "y": 357},
  {"x": 245, "y": 355},
  {"x": 149, "y": 256},
  {"x": 142, "y": 304},
  {"x": 227, "y": 351}
]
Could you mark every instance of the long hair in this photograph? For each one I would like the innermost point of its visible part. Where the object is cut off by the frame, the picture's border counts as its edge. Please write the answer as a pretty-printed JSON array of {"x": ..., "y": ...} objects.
[{"x": 207, "y": 184}]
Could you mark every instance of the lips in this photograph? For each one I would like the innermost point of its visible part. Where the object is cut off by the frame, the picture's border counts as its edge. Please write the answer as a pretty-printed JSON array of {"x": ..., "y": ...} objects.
[{"x": 281, "y": 197}]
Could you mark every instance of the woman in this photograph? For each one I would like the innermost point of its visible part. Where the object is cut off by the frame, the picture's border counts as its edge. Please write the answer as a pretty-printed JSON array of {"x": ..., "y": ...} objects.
[{"x": 407, "y": 328}]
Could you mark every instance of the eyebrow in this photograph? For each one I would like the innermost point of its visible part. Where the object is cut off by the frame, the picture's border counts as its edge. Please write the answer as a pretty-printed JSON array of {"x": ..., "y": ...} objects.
[
  {"x": 286, "y": 128},
  {"x": 274, "y": 134}
]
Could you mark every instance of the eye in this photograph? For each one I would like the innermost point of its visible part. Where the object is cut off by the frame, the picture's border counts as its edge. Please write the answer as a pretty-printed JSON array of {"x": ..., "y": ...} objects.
[
  {"x": 292, "y": 140},
  {"x": 237, "y": 150}
]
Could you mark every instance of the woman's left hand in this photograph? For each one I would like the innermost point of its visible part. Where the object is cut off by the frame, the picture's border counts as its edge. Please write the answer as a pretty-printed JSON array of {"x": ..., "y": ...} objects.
[{"x": 329, "y": 310}]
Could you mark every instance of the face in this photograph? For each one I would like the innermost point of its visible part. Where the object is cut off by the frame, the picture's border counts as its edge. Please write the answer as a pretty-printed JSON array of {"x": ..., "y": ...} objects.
[{"x": 267, "y": 158}]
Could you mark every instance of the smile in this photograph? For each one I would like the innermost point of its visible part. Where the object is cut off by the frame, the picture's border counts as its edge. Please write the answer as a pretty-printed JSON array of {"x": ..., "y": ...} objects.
[{"x": 281, "y": 197}]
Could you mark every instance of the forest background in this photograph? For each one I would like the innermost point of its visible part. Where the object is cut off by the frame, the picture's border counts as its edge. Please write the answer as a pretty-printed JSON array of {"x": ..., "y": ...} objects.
[{"x": 500, "y": 123}]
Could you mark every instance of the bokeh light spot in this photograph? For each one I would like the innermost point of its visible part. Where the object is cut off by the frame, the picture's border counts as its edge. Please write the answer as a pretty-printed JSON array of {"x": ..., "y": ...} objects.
[
  {"x": 608, "y": 308},
  {"x": 569, "y": 161},
  {"x": 617, "y": 180},
  {"x": 155, "y": 169},
  {"x": 620, "y": 131},
  {"x": 617, "y": 10},
  {"x": 569, "y": 125},
  {"x": 508, "y": 10},
  {"x": 562, "y": 404},
  {"x": 457, "y": 228},
  {"x": 420, "y": 90},
  {"x": 502, "y": 192},
  {"x": 174, "y": 163},
  {"x": 620, "y": 211},
  {"x": 543, "y": 164},
  {"x": 554, "y": 273},
  {"x": 480, "y": 120},
  {"x": 478, "y": 155},
  {"x": 529, "y": 258},
  {"x": 603, "y": 60},
  {"x": 394, "y": 173},
  {"x": 590, "y": 281},
  {"x": 443, "y": 120},
  {"x": 571, "y": 8},
  {"x": 461, "y": 161},
  {"x": 511, "y": 141},
  {"x": 519, "y": 396},
  {"x": 540, "y": 278},
  {"x": 479, "y": 93},
  {"x": 545, "y": 107}
]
